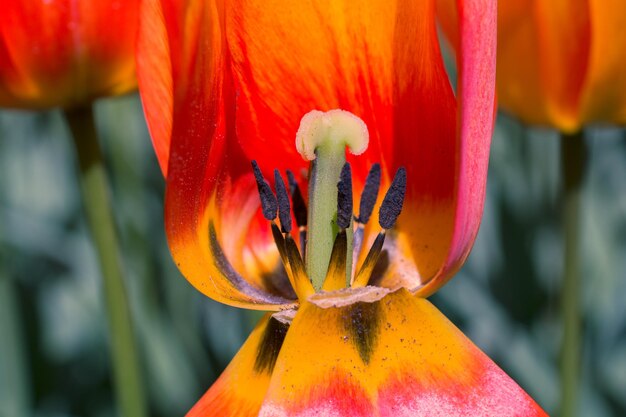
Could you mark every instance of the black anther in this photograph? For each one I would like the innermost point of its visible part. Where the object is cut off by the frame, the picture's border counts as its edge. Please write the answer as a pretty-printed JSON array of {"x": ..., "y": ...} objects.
[
  {"x": 268, "y": 200},
  {"x": 299, "y": 207},
  {"x": 394, "y": 199},
  {"x": 284, "y": 207},
  {"x": 344, "y": 197},
  {"x": 369, "y": 194}
]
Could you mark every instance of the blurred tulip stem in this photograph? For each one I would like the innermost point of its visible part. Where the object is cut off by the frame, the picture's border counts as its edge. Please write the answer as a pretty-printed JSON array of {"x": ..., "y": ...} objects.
[
  {"x": 573, "y": 167},
  {"x": 96, "y": 201},
  {"x": 15, "y": 396}
]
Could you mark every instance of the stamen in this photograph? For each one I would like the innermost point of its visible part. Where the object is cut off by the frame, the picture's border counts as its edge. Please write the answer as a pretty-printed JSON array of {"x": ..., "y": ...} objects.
[
  {"x": 336, "y": 274},
  {"x": 268, "y": 200},
  {"x": 284, "y": 207},
  {"x": 299, "y": 281},
  {"x": 279, "y": 241},
  {"x": 369, "y": 194},
  {"x": 303, "y": 286},
  {"x": 388, "y": 214},
  {"x": 299, "y": 208},
  {"x": 344, "y": 198},
  {"x": 363, "y": 276},
  {"x": 236, "y": 280},
  {"x": 366, "y": 207},
  {"x": 394, "y": 199}
]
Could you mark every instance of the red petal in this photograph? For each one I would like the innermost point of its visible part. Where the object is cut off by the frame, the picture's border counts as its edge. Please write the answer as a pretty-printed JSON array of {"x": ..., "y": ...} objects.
[
  {"x": 154, "y": 73},
  {"x": 209, "y": 207}
]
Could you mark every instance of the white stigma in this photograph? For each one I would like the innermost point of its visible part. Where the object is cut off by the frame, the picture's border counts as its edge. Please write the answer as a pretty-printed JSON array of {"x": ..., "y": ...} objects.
[{"x": 333, "y": 128}]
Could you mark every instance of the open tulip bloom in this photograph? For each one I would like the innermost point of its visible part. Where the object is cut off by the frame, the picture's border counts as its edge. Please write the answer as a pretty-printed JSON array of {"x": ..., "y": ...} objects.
[{"x": 251, "y": 106}]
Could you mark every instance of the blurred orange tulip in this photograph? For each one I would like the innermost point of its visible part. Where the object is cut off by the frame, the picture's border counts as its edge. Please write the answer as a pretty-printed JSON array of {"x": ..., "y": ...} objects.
[
  {"x": 65, "y": 53},
  {"x": 560, "y": 63}
]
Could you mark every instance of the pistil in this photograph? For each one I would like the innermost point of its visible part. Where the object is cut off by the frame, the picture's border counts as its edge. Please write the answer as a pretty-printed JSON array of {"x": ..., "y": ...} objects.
[{"x": 322, "y": 139}]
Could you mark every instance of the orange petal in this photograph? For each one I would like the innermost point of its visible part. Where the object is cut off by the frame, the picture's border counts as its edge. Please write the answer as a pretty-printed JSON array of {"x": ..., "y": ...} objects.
[
  {"x": 65, "y": 53},
  {"x": 389, "y": 354},
  {"x": 518, "y": 81},
  {"x": 561, "y": 63},
  {"x": 563, "y": 31},
  {"x": 240, "y": 390},
  {"x": 604, "y": 94}
]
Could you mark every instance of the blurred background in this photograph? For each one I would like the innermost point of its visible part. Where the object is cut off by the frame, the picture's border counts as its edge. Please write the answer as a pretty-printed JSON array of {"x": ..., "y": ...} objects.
[{"x": 54, "y": 359}]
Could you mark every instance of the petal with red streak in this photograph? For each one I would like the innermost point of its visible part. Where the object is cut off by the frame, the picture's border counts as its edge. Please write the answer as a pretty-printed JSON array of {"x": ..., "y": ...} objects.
[{"x": 209, "y": 205}]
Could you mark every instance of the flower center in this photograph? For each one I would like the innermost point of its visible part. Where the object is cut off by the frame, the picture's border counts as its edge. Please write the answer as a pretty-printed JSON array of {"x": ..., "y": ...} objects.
[{"x": 330, "y": 235}]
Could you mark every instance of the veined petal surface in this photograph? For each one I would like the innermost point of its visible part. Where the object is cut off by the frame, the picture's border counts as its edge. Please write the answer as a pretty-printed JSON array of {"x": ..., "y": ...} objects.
[
  {"x": 66, "y": 52},
  {"x": 391, "y": 355}
]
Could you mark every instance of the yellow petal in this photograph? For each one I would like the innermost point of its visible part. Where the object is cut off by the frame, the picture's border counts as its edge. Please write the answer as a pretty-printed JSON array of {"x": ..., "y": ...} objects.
[{"x": 389, "y": 354}]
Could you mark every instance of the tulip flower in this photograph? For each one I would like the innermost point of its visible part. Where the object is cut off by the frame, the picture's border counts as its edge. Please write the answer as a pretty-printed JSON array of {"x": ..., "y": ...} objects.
[
  {"x": 62, "y": 53},
  {"x": 342, "y": 255}
]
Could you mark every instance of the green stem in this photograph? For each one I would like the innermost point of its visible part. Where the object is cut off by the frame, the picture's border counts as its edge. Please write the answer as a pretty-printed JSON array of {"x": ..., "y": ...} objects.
[
  {"x": 573, "y": 167},
  {"x": 96, "y": 201},
  {"x": 14, "y": 375}
]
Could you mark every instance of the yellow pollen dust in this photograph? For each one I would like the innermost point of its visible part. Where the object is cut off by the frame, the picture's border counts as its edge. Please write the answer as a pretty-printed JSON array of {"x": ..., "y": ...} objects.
[{"x": 334, "y": 128}]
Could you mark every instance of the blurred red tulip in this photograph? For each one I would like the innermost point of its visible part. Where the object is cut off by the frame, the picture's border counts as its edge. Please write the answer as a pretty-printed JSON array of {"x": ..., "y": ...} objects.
[{"x": 65, "y": 53}]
